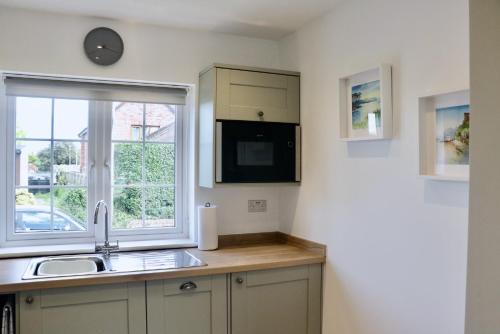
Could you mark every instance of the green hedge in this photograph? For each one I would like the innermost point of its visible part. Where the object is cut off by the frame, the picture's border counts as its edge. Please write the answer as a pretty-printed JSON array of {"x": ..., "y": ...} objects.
[{"x": 159, "y": 162}]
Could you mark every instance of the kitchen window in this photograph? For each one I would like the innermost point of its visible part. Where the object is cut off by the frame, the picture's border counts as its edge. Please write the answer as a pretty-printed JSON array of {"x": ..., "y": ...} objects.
[{"x": 72, "y": 143}]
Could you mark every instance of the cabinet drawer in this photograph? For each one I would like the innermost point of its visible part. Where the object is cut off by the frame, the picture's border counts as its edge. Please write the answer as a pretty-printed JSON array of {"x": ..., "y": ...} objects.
[
  {"x": 189, "y": 285},
  {"x": 199, "y": 309},
  {"x": 277, "y": 275}
]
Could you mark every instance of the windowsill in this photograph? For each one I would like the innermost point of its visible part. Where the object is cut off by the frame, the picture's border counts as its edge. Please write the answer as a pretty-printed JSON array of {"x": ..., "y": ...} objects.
[{"x": 12, "y": 252}]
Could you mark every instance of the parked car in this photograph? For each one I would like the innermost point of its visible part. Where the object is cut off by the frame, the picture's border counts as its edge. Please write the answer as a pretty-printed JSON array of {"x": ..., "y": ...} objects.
[
  {"x": 39, "y": 180},
  {"x": 37, "y": 219}
]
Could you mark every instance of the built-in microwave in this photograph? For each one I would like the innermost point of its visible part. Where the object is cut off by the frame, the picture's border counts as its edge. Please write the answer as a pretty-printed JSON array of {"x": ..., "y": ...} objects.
[{"x": 256, "y": 152}]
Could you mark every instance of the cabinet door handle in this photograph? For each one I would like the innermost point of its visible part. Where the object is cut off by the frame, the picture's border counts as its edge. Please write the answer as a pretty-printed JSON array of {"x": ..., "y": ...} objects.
[
  {"x": 260, "y": 113},
  {"x": 29, "y": 300},
  {"x": 188, "y": 286},
  {"x": 239, "y": 280}
]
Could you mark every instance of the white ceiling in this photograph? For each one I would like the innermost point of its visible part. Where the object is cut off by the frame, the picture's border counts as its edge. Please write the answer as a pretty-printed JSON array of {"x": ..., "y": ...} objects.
[{"x": 270, "y": 19}]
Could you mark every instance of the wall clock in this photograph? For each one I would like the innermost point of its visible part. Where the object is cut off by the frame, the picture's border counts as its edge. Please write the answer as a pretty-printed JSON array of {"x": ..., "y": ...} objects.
[{"x": 103, "y": 46}]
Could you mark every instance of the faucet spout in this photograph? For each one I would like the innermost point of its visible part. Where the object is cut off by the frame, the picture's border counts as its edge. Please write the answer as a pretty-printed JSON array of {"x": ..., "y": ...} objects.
[{"x": 107, "y": 248}]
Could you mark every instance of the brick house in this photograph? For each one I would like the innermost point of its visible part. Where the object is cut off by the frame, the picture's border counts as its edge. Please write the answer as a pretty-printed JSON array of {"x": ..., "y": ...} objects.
[{"x": 128, "y": 122}]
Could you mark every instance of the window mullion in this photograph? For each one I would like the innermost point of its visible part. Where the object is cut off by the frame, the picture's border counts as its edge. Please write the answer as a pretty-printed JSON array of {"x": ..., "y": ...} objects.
[
  {"x": 107, "y": 153},
  {"x": 52, "y": 176},
  {"x": 94, "y": 172},
  {"x": 143, "y": 190},
  {"x": 179, "y": 164},
  {"x": 101, "y": 175}
]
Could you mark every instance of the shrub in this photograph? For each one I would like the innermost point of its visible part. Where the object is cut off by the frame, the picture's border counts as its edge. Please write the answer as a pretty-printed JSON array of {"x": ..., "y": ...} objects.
[
  {"x": 24, "y": 197},
  {"x": 159, "y": 160},
  {"x": 72, "y": 202}
]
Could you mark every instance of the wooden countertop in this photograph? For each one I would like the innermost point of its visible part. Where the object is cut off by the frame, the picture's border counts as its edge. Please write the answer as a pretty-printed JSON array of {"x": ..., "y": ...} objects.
[{"x": 236, "y": 253}]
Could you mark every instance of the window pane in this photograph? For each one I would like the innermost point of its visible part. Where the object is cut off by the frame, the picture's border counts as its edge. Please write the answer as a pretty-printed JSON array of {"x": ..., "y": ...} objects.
[
  {"x": 136, "y": 133},
  {"x": 70, "y": 163},
  {"x": 160, "y": 209},
  {"x": 71, "y": 119},
  {"x": 160, "y": 123},
  {"x": 33, "y": 210},
  {"x": 127, "y": 208},
  {"x": 33, "y": 118},
  {"x": 159, "y": 163},
  {"x": 42, "y": 164},
  {"x": 32, "y": 163},
  {"x": 127, "y": 117},
  {"x": 70, "y": 208},
  {"x": 127, "y": 163}
]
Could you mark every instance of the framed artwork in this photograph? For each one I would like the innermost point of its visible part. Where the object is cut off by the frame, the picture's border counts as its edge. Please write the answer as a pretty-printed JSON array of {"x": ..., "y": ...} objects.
[
  {"x": 444, "y": 136},
  {"x": 365, "y": 108}
]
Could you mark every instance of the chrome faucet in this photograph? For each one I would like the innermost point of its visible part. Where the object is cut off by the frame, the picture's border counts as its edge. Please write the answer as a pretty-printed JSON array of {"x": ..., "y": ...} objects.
[{"x": 107, "y": 248}]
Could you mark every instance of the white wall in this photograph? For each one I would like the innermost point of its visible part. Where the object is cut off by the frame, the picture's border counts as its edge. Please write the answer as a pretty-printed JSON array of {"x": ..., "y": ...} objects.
[
  {"x": 52, "y": 43},
  {"x": 483, "y": 272},
  {"x": 396, "y": 243}
]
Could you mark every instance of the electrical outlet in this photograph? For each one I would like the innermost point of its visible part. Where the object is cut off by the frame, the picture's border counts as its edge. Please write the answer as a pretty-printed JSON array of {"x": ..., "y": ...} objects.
[{"x": 257, "y": 205}]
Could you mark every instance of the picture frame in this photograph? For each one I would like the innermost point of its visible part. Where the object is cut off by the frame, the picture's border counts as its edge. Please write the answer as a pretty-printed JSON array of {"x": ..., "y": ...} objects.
[
  {"x": 365, "y": 105},
  {"x": 444, "y": 136}
]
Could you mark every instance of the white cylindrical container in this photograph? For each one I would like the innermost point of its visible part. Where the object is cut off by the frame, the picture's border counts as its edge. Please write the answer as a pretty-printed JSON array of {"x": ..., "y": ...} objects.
[{"x": 208, "y": 238}]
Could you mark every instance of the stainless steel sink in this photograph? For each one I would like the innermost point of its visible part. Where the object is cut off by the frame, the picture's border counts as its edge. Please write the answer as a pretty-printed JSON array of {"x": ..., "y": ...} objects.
[
  {"x": 96, "y": 264},
  {"x": 70, "y": 266}
]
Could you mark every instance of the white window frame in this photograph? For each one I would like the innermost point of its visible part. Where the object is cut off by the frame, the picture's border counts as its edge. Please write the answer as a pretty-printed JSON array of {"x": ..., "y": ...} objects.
[
  {"x": 98, "y": 157},
  {"x": 106, "y": 154},
  {"x": 46, "y": 237}
]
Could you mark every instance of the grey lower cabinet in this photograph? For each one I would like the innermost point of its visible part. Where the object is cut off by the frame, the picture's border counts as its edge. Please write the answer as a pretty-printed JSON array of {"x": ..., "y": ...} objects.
[
  {"x": 286, "y": 300},
  {"x": 188, "y": 306},
  {"x": 274, "y": 301},
  {"x": 106, "y": 309}
]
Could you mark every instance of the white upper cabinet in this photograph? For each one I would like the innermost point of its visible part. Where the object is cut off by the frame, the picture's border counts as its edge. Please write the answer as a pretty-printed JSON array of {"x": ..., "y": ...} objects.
[
  {"x": 254, "y": 95},
  {"x": 242, "y": 93}
]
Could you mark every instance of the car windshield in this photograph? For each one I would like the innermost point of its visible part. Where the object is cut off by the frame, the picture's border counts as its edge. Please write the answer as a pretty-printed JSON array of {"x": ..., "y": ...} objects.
[{"x": 39, "y": 220}]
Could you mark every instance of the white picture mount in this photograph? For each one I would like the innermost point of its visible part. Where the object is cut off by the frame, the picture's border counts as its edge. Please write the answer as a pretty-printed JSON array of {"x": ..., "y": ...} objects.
[{"x": 382, "y": 73}]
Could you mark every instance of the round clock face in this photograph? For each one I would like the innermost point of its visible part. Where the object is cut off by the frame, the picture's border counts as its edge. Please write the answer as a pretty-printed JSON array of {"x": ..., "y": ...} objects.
[{"x": 103, "y": 46}]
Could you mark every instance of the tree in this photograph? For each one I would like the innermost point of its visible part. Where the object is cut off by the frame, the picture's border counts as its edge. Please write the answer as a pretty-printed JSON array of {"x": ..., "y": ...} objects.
[
  {"x": 462, "y": 132},
  {"x": 64, "y": 154},
  {"x": 34, "y": 160}
]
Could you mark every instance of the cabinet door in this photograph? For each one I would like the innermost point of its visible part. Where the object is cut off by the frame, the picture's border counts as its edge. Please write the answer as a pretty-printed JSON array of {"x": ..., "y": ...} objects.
[
  {"x": 277, "y": 301},
  {"x": 242, "y": 95},
  {"x": 188, "y": 306},
  {"x": 106, "y": 309}
]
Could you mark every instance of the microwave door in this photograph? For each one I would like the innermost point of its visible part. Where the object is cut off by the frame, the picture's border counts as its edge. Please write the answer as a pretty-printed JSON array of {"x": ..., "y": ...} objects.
[{"x": 256, "y": 152}]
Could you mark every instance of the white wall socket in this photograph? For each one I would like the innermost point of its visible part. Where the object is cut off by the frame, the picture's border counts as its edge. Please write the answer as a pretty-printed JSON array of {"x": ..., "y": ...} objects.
[{"x": 257, "y": 205}]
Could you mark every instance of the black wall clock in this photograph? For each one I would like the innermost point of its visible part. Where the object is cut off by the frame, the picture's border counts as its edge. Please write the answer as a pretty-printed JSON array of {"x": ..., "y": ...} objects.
[{"x": 103, "y": 46}]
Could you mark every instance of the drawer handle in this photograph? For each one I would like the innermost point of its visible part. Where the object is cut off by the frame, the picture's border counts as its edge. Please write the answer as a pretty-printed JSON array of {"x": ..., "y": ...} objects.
[
  {"x": 188, "y": 286},
  {"x": 29, "y": 300},
  {"x": 260, "y": 113},
  {"x": 239, "y": 280}
]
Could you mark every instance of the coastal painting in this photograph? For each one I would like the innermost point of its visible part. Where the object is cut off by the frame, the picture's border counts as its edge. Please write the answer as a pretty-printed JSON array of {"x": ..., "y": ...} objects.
[
  {"x": 366, "y": 112},
  {"x": 452, "y": 135}
]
